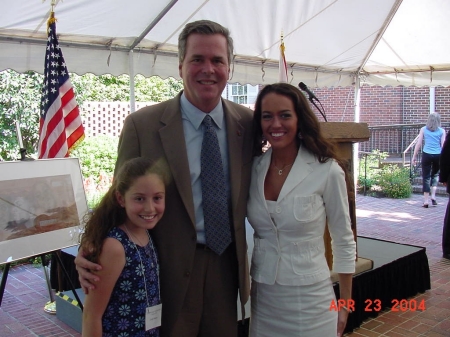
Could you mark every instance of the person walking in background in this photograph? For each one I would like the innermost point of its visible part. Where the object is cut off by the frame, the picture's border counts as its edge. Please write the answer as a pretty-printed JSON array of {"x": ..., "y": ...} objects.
[
  {"x": 118, "y": 237},
  {"x": 297, "y": 185},
  {"x": 433, "y": 136},
  {"x": 444, "y": 177},
  {"x": 201, "y": 274}
]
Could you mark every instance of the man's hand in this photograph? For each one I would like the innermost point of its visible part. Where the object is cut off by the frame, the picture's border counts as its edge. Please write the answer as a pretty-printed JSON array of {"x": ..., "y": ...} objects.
[{"x": 83, "y": 266}]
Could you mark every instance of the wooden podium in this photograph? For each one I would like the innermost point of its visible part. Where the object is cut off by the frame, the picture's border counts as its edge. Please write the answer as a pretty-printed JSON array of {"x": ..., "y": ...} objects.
[{"x": 344, "y": 135}]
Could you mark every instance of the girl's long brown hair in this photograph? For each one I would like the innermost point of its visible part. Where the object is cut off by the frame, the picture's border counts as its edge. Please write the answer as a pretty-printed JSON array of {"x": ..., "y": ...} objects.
[{"x": 108, "y": 213}]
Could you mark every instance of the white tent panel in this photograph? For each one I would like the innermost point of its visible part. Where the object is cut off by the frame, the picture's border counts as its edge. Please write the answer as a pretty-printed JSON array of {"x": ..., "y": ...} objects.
[
  {"x": 414, "y": 41},
  {"x": 328, "y": 42}
]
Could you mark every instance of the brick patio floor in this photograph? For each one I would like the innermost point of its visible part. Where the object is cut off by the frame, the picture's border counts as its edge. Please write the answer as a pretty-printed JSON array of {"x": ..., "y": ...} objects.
[{"x": 402, "y": 221}]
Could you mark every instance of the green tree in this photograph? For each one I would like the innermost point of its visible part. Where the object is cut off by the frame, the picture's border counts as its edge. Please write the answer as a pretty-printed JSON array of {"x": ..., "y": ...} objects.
[
  {"x": 19, "y": 101},
  {"x": 154, "y": 89},
  {"x": 97, "y": 156}
]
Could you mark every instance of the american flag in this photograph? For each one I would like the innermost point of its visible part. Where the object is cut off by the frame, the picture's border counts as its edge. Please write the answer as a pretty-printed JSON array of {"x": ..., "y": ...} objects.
[
  {"x": 60, "y": 127},
  {"x": 282, "y": 66}
]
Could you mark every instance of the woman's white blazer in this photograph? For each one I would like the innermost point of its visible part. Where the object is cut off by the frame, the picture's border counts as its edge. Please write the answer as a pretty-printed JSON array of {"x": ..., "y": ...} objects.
[{"x": 288, "y": 245}]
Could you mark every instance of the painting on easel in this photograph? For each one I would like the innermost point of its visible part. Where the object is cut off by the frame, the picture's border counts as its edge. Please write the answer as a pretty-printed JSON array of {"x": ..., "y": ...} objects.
[{"x": 42, "y": 204}]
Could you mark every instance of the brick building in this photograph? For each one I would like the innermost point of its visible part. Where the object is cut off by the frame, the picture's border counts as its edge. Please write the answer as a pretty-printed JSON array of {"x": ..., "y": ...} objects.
[{"x": 385, "y": 105}]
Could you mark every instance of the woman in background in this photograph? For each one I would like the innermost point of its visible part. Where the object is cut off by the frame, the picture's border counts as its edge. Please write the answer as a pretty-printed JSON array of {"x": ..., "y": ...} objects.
[{"x": 433, "y": 136}]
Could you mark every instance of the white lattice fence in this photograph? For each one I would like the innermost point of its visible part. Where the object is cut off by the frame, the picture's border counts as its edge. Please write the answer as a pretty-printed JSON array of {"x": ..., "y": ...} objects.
[{"x": 106, "y": 118}]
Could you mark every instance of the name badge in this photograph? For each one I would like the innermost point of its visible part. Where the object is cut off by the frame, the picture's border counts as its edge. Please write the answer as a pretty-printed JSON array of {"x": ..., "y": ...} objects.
[{"x": 153, "y": 317}]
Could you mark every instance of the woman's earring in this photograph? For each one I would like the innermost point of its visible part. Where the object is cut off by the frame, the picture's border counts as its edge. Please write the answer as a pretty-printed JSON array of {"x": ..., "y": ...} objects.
[{"x": 299, "y": 135}]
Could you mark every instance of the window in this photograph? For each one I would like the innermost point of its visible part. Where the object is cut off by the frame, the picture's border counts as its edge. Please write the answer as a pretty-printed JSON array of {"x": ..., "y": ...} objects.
[{"x": 238, "y": 93}]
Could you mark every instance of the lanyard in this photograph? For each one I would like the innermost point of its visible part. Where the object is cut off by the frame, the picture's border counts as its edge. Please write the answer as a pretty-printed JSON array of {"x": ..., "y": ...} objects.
[{"x": 150, "y": 242}]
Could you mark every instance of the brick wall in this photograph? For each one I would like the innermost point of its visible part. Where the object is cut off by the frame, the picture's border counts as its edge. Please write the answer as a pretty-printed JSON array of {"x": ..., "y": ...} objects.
[
  {"x": 384, "y": 105},
  {"x": 443, "y": 104}
]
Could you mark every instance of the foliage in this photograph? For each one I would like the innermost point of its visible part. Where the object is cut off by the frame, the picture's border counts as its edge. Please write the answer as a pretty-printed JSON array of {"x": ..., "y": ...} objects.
[
  {"x": 394, "y": 182},
  {"x": 36, "y": 261},
  {"x": 389, "y": 180},
  {"x": 108, "y": 88},
  {"x": 370, "y": 169},
  {"x": 366, "y": 183},
  {"x": 97, "y": 156},
  {"x": 155, "y": 89},
  {"x": 19, "y": 102},
  {"x": 93, "y": 198}
]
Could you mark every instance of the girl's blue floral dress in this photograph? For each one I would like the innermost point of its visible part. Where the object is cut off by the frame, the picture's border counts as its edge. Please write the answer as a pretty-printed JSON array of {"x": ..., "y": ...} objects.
[{"x": 125, "y": 314}]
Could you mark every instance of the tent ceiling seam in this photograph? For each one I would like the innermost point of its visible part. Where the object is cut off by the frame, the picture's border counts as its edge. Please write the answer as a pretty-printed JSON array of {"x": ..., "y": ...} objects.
[
  {"x": 153, "y": 24},
  {"x": 380, "y": 33}
]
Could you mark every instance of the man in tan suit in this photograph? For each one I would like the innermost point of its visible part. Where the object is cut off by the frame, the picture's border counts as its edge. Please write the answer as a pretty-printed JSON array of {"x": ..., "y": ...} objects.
[{"x": 198, "y": 287}]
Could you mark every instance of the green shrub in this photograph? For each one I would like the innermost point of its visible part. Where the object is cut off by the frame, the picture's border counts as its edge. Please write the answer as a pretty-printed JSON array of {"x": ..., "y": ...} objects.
[
  {"x": 368, "y": 183},
  {"x": 36, "y": 261},
  {"x": 97, "y": 156},
  {"x": 370, "y": 170},
  {"x": 394, "y": 182}
]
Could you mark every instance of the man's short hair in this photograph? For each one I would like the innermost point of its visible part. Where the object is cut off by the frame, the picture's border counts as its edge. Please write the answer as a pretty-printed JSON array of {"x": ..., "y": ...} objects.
[{"x": 204, "y": 27}]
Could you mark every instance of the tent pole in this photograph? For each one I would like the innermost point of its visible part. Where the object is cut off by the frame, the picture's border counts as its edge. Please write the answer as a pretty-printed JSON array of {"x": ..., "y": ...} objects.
[
  {"x": 356, "y": 120},
  {"x": 357, "y": 98},
  {"x": 131, "y": 73},
  {"x": 432, "y": 99}
]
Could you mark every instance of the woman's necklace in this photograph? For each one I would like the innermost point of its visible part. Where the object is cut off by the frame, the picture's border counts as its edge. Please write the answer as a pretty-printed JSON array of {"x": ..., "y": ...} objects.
[{"x": 280, "y": 171}]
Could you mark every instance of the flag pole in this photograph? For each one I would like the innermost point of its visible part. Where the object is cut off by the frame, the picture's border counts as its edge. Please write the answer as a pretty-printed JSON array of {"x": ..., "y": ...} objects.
[
  {"x": 60, "y": 126},
  {"x": 282, "y": 67},
  {"x": 50, "y": 306}
]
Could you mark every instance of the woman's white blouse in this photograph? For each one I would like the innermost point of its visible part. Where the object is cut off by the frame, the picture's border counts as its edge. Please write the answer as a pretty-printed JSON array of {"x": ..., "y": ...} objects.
[{"x": 288, "y": 240}]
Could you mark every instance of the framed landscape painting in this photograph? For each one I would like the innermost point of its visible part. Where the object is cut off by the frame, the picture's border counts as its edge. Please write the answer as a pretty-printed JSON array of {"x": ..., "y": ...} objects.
[{"x": 42, "y": 206}]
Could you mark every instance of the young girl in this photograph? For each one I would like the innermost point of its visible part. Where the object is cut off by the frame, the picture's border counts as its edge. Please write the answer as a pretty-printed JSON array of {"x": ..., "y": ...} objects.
[{"x": 126, "y": 301}]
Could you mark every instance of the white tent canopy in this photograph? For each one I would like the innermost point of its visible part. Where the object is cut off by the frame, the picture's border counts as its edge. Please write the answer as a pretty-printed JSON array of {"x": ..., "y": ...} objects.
[{"x": 328, "y": 42}]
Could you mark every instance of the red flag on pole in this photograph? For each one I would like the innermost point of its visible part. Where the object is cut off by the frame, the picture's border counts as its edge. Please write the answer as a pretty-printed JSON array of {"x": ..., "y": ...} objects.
[
  {"x": 60, "y": 127},
  {"x": 282, "y": 67}
]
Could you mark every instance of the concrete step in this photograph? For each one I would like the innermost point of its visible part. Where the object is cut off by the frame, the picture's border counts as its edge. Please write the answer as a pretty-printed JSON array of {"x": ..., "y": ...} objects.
[
  {"x": 417, "y": 186},
  {"x": 440, "y": 191}
]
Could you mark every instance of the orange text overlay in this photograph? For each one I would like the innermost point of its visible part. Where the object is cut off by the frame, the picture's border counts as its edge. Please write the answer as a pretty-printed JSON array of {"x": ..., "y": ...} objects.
[{"x": 377, "y": 305}]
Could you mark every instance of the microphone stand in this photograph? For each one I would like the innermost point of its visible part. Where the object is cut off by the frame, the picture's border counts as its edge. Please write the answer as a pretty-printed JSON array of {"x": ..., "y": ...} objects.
[
  {"x": 313, "y": 97},
  {"x": 321, "y": 110}
]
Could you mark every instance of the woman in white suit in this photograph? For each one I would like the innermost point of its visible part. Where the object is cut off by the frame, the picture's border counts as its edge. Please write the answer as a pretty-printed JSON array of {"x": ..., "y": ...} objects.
[{"x": 296, "y": 186}]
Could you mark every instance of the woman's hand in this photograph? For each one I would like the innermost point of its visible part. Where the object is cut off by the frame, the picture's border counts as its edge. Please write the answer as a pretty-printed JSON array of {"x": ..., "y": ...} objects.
[
  {"x": 342, "y": 321},
  {"x": 84, "y": 266}
]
